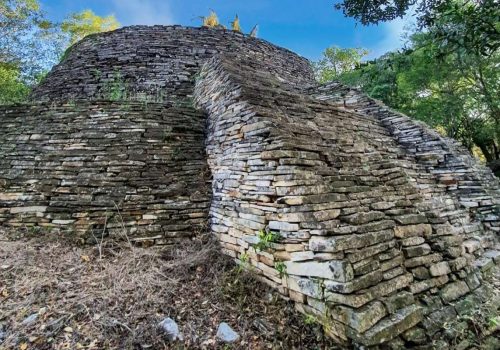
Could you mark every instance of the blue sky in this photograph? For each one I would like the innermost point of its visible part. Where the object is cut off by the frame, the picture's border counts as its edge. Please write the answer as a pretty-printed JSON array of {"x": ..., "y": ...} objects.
[{"x": 304, "y": 26}]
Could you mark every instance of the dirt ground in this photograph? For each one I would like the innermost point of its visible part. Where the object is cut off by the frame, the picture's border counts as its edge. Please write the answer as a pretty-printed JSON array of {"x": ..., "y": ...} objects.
[{"x": 56, "y": 294}]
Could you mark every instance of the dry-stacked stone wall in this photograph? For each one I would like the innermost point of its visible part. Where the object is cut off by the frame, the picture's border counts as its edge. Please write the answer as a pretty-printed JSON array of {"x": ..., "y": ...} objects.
[
  {"x": 157, "y": 63},
  {"x": 371, "y": 223},
  {"x": 326, "y": 206},
  {"x": 104, "y": 166}
]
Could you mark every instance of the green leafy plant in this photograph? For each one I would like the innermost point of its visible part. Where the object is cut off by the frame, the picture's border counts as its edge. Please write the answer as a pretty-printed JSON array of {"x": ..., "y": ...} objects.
[
  {"x": 281, "y": 268},
  {"x": 310, "y": 319},
  {"x": 266, "y": 238},
  {"x": 243, "y": 263}
]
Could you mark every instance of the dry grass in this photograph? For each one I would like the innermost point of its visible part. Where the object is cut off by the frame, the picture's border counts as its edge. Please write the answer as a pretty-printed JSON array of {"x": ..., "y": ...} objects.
[{"x": 113, "y": 296}]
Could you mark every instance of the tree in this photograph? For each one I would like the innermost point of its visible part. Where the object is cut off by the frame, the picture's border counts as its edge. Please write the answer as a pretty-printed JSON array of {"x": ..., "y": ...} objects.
[
  {"x": 337, "y": 61},
  {"x": 30, "y": 44},
  {"x": 78, "y": 25},
  {"x": 448, "y": 76},
  {"x": 12, "y": 88},
  {"x": 27, "y": 39},
  {"x": 479, "y": 19},
  {"x": 455, "y": 93}
]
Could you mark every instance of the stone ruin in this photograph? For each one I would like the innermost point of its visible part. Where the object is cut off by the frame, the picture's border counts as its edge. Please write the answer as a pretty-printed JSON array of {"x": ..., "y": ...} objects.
[{"x": 369, "y": 221}]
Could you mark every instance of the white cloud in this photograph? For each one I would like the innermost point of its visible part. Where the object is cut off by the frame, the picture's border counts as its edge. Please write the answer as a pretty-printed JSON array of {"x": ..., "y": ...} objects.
[
  {"x": 393, "y": 35},
  {"x": 148, "y": 12}
]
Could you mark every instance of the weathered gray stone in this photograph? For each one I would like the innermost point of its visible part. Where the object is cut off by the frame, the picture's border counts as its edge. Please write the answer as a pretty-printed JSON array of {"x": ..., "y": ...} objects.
[
  {"x": 170, "y": 329},
  {"x": 453, "y": 291},
  {"x": 363, "y": 218},
  {"x": 335, "y": 244},
  {"x": 226, "y": 334},
  {"x": 439, "y": 269},
  {"x": 335, "y": 270},
  {"x": 434, "y": 321},
  {"x": 415, "y": 335},
  {"x": 413, "y": 230},
  {"x": 28, "y": 321},
  {"x": 362, "y": 282},
  {"x": 392, "y": 326},
  {"x": 419, "y": 250},
  {"x": 305, "y": 286},
  {"x": 423, "y": 260},
  {"x": 411, "y": 219},
  {"x": 398, "y": 301},
  {"x": 360, "y": 319}
]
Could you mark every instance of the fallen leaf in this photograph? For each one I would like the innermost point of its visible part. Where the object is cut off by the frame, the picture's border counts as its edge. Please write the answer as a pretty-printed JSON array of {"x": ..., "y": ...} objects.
[{"x": 23, "y": 346}]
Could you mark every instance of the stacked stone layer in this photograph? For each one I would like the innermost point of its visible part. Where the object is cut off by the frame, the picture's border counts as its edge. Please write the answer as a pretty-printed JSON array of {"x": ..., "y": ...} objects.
[
  {"x": 104, "y": 166},
  {"x": 363, "y": 245},
  {"x": 157, "y": 63},
  {"x": 367, "y": 220}
]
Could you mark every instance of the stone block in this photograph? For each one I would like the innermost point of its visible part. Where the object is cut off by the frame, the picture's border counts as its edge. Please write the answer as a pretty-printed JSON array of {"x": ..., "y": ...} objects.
[
  {"x": 453, "y": 291},
  {"x": 419, "y": 250},
  {"x": 356, "y": 284},
  {"x": 398, "y": 301},
  {"x": 440, "y": 269},
  {"x": 334, "y": 270},
  {"x": 391, "y": 327},
  {"x": 339, "y": 243},
  {"x": 306, "y": 286},
  {"x": 417, "y": 230},
  {"x": 363, "y": 217},
  {"x": 360, "y": 319}
]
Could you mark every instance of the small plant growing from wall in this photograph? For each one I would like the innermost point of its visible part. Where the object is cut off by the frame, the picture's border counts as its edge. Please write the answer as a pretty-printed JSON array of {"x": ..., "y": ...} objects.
[
  {"x": 243, "y": 263},
  {"x": 211, "y": 21},
  {"x": 281, "y": 268},
  {"x": 265, "y": 239},
  {"x": 235, "y": 25},
  {"x": 310, "y": 319}
]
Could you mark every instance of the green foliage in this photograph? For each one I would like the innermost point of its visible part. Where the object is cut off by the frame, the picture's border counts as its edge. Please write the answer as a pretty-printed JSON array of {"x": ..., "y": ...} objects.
[
  {"x": 115, "y": 89},
  {"x": 12, "y": 88},
  {"x": 30, "y": 44},
  {"x": 266, "y": 238},
  {"x": 337, "y": 61},
  {"x": 243, "y": 263},
  {"x": 448, "y": 76},
  {"x": 27, "y": 39},
  {"x": 79, "y": 25},
  {"x": 281, "y": 268},
  {"x": 459, "y": 23},
  {"x": 310, "y": 319},
  {"x": 374, "y": 11}
]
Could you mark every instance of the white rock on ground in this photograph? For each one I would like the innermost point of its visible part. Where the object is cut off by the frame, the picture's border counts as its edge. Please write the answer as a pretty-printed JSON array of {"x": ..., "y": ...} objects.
[
  {"x": 226, "y": 334},
  {"x": 2, "y": 335},
  {"x": 171, "y": 330},
  {"x": 30, "y": 319}
]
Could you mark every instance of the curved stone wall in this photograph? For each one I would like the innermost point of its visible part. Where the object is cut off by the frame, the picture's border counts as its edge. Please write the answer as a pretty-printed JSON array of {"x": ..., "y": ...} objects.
[
  {"x": 104, "y": 166},
  {"x": 157, "y": 63}
]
